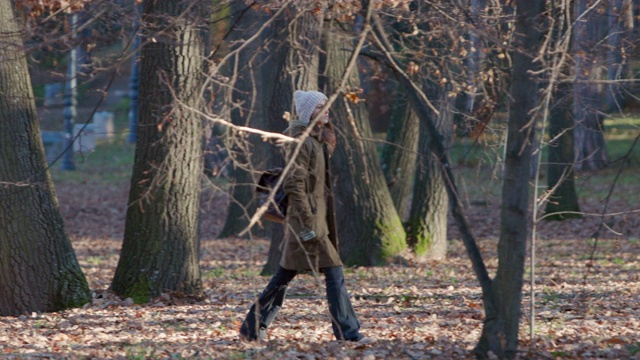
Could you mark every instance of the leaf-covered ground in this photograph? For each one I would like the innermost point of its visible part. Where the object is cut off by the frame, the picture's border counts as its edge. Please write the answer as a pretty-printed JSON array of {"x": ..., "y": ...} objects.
[{"x": 583, "y": 309}]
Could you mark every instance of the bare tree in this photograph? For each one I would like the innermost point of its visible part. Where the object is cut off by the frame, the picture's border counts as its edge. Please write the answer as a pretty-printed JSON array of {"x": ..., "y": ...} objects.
[
  {"x": 427, "y": 223},
  {"x": 401, "y": 148},
  {"x": 400, "y": 152},
  {"x": 245, "y": 104},
  {"x": 563, "y": 202},
  {"x": 368, "y": 224},
  {"x": 502, "y": 295},
  {"x": 161, "y": 243},
  {"x": 502, "y": 303},
  {"x": 38, "y": 268},
  {"x": 563, "y": 198}
]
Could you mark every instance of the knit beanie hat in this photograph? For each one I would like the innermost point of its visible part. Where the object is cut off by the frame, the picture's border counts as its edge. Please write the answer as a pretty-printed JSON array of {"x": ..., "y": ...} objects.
[{"x": 306, "y": 102}]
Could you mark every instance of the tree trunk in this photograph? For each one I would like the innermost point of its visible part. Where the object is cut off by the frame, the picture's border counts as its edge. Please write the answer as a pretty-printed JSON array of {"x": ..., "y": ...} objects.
[
  {"x": 160, "y": 248},
  {"x": 614, "y": 54},
  {"x": 246, "y": 108},
  {"x": 296, "y": 68},
  {"x": 476, "y": 56},
  {"x": 618, "y": 29},
  {"x": 427, "y": 224},
  {"x": 399, "y": 153},
  {"x": 503, "y": 303},
  {"x": 369, "y": 227},
  {"x": 39, "y": 271},
  {"x": 589, "y": 142},
  {"x": 563, "y": 203}
]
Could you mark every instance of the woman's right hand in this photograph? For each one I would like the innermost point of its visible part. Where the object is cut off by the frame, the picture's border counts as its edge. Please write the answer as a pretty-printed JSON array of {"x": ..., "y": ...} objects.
[{"x": 307, "y": 234}]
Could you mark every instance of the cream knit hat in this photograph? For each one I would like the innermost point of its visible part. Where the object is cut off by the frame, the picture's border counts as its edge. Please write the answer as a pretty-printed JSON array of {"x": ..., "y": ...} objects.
[{"x": 306, "y": 102}]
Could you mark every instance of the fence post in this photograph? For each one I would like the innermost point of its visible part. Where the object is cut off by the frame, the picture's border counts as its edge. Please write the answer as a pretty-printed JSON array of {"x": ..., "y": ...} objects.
[
  {"x": 133, "y": 92},
  {"x": 70, "y": 100}
]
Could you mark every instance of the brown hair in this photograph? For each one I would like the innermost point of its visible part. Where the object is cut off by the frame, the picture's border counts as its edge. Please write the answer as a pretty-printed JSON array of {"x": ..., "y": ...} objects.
[{"x": 328, "y": 136}]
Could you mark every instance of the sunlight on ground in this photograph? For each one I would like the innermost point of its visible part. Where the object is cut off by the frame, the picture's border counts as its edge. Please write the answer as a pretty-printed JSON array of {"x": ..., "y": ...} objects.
[{"x": 416, "y": 310}]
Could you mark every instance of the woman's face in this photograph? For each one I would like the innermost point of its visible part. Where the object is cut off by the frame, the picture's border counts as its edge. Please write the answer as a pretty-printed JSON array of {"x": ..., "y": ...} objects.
[{"x": 324, "y": 119}]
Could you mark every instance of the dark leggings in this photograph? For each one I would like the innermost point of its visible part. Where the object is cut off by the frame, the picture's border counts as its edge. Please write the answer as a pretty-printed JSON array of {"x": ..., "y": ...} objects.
[{"x": 343, "y": 318}]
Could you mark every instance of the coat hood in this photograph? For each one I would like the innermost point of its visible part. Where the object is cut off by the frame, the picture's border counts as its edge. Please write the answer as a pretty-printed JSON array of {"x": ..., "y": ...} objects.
[{"x": 297, "y": 127}]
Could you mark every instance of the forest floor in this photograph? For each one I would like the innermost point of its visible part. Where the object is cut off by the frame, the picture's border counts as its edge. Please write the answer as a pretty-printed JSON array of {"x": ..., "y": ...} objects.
[
  {"x": 587, "y": 281},
  {"x": 587, "y": 295}
]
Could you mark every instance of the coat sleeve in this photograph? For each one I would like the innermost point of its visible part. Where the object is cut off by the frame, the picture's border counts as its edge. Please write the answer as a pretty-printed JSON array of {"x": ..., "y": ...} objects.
[{"x": 295, "y": 185}]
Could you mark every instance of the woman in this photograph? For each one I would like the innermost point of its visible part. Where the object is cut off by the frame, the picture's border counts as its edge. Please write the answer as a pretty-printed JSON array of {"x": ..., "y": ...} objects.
[{"x": 310, "y": 240}]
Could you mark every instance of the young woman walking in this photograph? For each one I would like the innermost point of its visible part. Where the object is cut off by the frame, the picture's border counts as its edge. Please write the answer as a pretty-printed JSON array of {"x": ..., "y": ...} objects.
[{"x": 310, "y": 240}]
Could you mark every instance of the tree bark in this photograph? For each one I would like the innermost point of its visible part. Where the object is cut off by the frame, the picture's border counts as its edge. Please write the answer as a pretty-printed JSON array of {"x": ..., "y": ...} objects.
[
  {"x": 39, "y": 271},
  {"x": 161, "y": 244},
  {"x": 563, "y": 203},
  {"x": 476, "y": 58},
  {"x": 369, "y": 227},
  {"x": 502, "y": 306},
  {"x": 427, "y": 224},
  {"x": 400, "y": 152}
]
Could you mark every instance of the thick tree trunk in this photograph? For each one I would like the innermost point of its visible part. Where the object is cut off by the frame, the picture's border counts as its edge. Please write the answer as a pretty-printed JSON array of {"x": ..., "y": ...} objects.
[
  {"x": 425, "y": 112},
  {"x": 38, "y": 268},
  {"x": 503, "y": 303},
  {"x": 427, "y": 224},
  {"x": 160, "y": 248},
  {"x": 296, "y": 66},
  {"x": 369, "y": 227},
  {"x": 399, "y": 153},
  {"x": 563, "y": 203}
]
